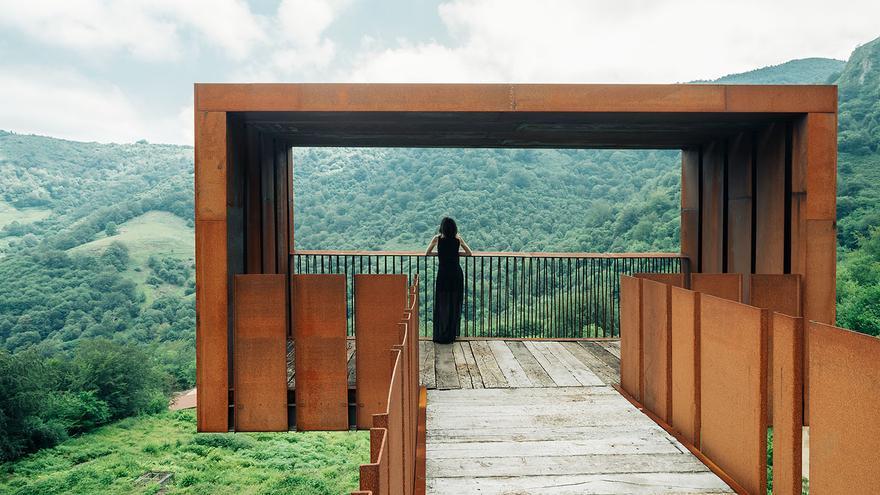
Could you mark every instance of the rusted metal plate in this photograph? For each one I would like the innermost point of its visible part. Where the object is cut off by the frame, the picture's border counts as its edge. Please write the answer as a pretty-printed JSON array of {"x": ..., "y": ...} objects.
[
  {"x": 374, "y": 476},
  {"x": 260, "y": 352},
  {"x": 733, "y": 389},
  {"x": 210, "y": 165},
  {"x": 319, "y": 326},
  {"x": 673, "y": 279},
  {"x": 739, "y": 204},
  {"x": 724, "y": 285},
  {"x": 267, "y": 203},
  {"x": 819, "y": 286},
  {"x": 253, "y": 213},
  {"x": 379, "y": 303},
  {"x": 780, "y": 98},
  {"x": 690, "y": 206},
  {"x": 712, "y": 208},
  {"x": 631, "y": 335},
  {"x": 617, "y": 98},
  {"x": 393, "y": 420},
  {"x": 787, "y": 335},
  {"x": 776, "y": 292},
  {"x": 282, "y": 249},
  {"x": 821, "y": 175},
  {"x": 685, "y": 338},
  {"x": 656, "y": 350},
  {"x": 212, "y": 327},
  {"x": 770, "y": 200},
  {"x": 844, "y": 400}
]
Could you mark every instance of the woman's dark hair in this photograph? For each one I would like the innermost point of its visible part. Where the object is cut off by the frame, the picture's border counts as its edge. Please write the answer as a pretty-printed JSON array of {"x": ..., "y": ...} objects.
[{"x": 448, "y": 229}]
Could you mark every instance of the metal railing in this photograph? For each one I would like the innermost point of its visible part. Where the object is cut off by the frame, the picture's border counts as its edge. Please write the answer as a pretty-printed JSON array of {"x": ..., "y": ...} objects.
[{"x": 510, "y": 295}]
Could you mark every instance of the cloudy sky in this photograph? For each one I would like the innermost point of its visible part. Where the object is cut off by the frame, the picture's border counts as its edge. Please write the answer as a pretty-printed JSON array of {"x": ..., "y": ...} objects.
[{"x": 122, "y": 70}]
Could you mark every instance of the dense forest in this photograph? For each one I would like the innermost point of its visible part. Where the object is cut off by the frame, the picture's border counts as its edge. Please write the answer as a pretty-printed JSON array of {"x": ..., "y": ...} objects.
[{"x": 96, "y": 251}]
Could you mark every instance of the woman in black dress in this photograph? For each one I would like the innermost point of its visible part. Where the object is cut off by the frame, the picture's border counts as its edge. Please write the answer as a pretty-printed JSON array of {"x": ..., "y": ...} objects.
[{"x": 449, "y": 286}]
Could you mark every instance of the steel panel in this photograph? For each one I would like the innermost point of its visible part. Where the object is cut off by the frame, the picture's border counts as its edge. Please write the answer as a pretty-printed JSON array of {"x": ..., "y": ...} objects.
[
  {"x": 379, "y": 303},
  {"x": 212, "y": 327},
  {"x": 673, "y": 279},
  {"x": 685, "y": 339},
  {"x": 319, "y": 327},
  {"x": 260, "y": 352},
  {"x": 724, "y": 285},
  {"x": 787, "y": 336},
  {"x": 656, "y": 358},
  {"x": 844, "y": 400},
  {"x": 631, "y": 335},
  {"x": 733, "y": 389}
]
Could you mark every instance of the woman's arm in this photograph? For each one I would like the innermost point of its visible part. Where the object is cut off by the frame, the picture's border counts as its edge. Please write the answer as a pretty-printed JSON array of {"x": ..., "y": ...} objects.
[
  {"x": 432, "y": 245},
  {"x": 464, "y": 246}
]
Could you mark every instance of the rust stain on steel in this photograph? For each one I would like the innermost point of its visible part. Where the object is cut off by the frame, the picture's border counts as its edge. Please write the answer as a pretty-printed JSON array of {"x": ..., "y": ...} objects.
[
  {"x": 673, "y": 279},
  {"x": 723, "y": 285},
  {"x": 212, "y": 372},
  {"x": 210, "y": 166},
  {"x": 656, "y": 359},
  {"x": 845, "y": 400},
  {"x": 685, "y": 337},
  {"x": 319, "y": 326},
  {"x": 408, "y": 405},
  {"x": 379, "y": 303},
  {"x": 776, "y": 98},
  {"x": 712, "y": 209},
  {"x": 260, "y": 352},
  {"x": 393, "y": 420},
  {"x": 787, "y": 371},
  {"x": 733, "y": 389},
  {"x": 770, "y": 199},
  {"x": 631, "y": 335},
  {"x": 820, "y": 287},
  {"x": 821, "y": 173},
  {"x": 374, "y": 476}
]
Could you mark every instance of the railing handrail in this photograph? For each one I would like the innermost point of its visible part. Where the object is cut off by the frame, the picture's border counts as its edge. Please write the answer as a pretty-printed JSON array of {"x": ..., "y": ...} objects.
[{"x": 488, "y": 254}]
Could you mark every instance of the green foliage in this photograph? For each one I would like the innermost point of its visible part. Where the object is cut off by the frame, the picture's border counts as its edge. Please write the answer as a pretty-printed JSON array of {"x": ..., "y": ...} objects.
[
  {"x": 858, "y": 286},
  {"x": 110, "y": 459},
  {"x": 801, "y": 71},
  {"x": 168, "y": 270},
  {"x": 111, "y": 229}
]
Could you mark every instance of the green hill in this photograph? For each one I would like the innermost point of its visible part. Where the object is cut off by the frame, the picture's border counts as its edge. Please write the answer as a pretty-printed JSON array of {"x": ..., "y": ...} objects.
[{"x": 800, "y": 71}]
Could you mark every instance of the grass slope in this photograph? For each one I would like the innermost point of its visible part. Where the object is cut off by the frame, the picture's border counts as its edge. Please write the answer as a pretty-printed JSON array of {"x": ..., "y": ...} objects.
[{"x": 110, "y": 459}]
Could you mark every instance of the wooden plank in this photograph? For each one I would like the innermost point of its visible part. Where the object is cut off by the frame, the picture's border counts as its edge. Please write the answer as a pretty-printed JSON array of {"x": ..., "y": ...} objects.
[
  {"x": 427, "y": 377},
  {"x": 490, "y": 372},
  {"x": 473, "y": 370},
  {"x": 612, "y": 347},
  {"x": 514, "y": 374},
  {"x": 351, "y": 359},
  {"x": 532, "y": 368},
  {"x": 545, "y": 434},
  {"x": 622, "y": 443},
  {"x": 557, "y": 371},
  {"x": 447, "y": 376},
  {"x": 260, "y": 326},
  {"x": 605, "y": 373},
  {"x": 212, "y": 337},
  {"x": 581, "y": 373},
  {"x": 461, "y": 366},
  {"x": 379, "y": 304},
  {"x": 319, "y": 328},
  {"x": 631, "y": 483}
]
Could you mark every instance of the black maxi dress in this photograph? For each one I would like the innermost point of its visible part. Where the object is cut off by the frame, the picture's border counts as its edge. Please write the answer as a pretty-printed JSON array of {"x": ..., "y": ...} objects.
[{"x": 448, "y": 292}]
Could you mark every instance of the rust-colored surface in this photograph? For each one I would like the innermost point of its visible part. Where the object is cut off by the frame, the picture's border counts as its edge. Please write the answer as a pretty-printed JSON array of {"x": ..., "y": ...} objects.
[
  {"x": 267, "y": 203},
  {"x": 787, "y": 393},
  {"x": 733, "y": 389},
  {"x": 408, "y": 408},
  {"x": 776, "y": 292},
  {"x": 723, "y": 285},
  {"x": 673, "y": 279},
  {"x": 775, "y": 98},
  {"x": 712, "y": 209},
  {"x": 212, "y": 372},
  {"x": 515, "y": 97},
  {"x": 844, "y": 405},
  {"x": 770, "y": 200},
  {"x": 739, "y": 204},
  {"x": 379, "y": 301},
  {"x": 319, "y": 326},
  {"x": 821, "y": 173},
  {"x": 631, "y": 335},
  {"x": 799, "y": 154},
  {"x": 690, "y": 206},
  {"x": 685, "y": 338},
  {"x": 252, "y": 212},
  {"x": 281, "y": 202},
  {"x": 820, "y": 287},
  {"x": 260, "y": 352},
  {"x": 374, "y": 476},
  {"x": 656, "y": 353},
  {"x": 210, "y": 165},
  {"x": 394, "y": 421},
  {"x": 421, "y": 439}
]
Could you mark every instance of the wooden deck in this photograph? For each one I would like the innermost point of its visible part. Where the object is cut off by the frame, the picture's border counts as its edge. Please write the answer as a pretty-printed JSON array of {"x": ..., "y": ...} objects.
[{"x": 540, "y": 417}]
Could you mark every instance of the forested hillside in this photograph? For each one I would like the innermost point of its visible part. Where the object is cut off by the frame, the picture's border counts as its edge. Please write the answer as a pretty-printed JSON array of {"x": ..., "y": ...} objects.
[{"x": 96, "y": 270}]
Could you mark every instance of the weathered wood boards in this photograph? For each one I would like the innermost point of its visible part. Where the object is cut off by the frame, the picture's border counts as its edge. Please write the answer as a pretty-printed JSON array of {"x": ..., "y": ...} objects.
[
  {"x": 260, "y": 357},
  {"x": 844, "y": 400},
  {"x": 318, "y": 312},
  {"x": 379, "y": 304}
]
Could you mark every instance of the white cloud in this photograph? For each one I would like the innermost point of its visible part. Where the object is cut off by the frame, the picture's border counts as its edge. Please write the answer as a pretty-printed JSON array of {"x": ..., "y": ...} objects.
[
  {"x": 621, "y": 41},
  {"x": 64, "y": 104}
]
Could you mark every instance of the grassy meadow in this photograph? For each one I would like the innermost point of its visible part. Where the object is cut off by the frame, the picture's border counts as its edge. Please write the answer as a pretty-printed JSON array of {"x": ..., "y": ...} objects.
[{"x": 110, "y": 460}]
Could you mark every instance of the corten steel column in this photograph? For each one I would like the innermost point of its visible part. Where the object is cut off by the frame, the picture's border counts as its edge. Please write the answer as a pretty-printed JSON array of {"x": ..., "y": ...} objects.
[
  {"x": 739, "y": 205},
  {"x": 770, "y": 200},
  {"x": 212, "y": 378},
  {"x": 690, "y": 207},
  {"x": 712, "y": 208}
]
